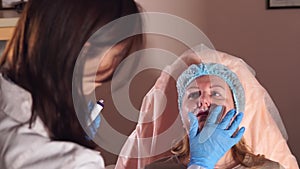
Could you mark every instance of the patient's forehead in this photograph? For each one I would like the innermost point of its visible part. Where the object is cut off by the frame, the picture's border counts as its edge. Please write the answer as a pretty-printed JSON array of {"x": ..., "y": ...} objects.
[{"x": 210, "y": 80}]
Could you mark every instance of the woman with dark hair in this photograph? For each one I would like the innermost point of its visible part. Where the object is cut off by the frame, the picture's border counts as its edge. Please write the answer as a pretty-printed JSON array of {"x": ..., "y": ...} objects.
[{"x": 39, "y": 127}]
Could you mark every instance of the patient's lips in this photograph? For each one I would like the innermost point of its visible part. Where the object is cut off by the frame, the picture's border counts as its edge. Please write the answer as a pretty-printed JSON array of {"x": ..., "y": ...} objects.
[{"x": 202, "y": 115}]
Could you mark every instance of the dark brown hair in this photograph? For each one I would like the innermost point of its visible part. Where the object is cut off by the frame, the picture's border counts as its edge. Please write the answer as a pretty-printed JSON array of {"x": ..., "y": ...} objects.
[{"x": 42, "y": 53}]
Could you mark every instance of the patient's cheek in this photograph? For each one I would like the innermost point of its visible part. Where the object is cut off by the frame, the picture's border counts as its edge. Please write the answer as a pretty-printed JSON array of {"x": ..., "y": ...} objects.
[
  {"x": 189, "y": 106},
  {"x": 186, "y": 119}
]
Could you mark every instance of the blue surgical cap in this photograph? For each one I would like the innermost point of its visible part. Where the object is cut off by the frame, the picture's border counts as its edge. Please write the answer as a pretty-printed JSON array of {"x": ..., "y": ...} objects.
[{"x": 195, "y": 71}]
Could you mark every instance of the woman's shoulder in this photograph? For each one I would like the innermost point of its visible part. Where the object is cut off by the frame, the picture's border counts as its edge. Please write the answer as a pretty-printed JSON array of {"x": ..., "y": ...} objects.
[
  {"x": 264, "y": 163},
  {"x": 171, "y": 162},
  {"x": 269, "y": 164}
]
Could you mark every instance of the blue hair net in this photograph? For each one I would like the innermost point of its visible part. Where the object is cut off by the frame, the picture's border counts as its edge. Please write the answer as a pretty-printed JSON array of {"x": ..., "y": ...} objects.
[{"x": 195, "y": 71}]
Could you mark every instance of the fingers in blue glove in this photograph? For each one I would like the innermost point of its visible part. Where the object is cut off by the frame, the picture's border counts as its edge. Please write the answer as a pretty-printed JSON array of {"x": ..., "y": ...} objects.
[
  {"x": 193, "y": 125},
  {"x": 235, "y": 139},
  {"x": 239, "y": 135},
  {"x": 214, "y": 115},
  {"x": 207, "y": 153},
  {"x": 235, "y": 124},
  {"x": 211, "y": 123},
  {"x": 94, "y": 118},
  {"x": 97, "y": 121},
  {"x": 95, "y": 125},
  {"x": 227, "y": 119}
]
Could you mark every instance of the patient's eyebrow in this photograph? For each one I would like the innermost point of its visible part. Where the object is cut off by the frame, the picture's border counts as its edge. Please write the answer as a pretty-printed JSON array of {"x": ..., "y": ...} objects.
[
  {"x": 217, "y": 85},
  {"x": 192, "y": 87}
]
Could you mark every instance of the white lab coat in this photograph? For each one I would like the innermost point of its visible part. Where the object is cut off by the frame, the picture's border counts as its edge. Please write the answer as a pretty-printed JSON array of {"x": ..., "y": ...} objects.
[{"x": 22, "y": 147}]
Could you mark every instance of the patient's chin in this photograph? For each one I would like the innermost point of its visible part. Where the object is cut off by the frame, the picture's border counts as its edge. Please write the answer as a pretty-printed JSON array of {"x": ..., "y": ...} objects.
[{"x": 201, "y": 125}]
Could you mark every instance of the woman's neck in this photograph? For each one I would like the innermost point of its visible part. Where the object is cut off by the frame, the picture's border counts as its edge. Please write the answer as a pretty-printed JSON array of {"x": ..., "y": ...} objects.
[{"x": 227, "y": 161}]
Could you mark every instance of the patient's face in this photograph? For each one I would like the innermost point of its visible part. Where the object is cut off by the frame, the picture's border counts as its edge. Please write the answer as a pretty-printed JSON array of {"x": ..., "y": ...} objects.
[{"x": 202, "y": 94}]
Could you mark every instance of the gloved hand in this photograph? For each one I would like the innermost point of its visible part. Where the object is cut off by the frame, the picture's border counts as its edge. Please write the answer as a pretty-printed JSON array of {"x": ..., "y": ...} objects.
[
  {"x": 214, "y": 140},
  {"x": 94, "y": 118}
]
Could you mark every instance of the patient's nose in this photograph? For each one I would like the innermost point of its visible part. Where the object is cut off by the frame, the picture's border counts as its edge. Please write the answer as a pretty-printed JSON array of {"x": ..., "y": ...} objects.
[{"x": 204, "y": 101}]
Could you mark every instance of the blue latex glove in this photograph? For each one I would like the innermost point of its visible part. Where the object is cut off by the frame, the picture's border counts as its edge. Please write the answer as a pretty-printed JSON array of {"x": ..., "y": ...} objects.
[
  {"x": 93, "y": 127},
  {"x": 214, "y": 140}
]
